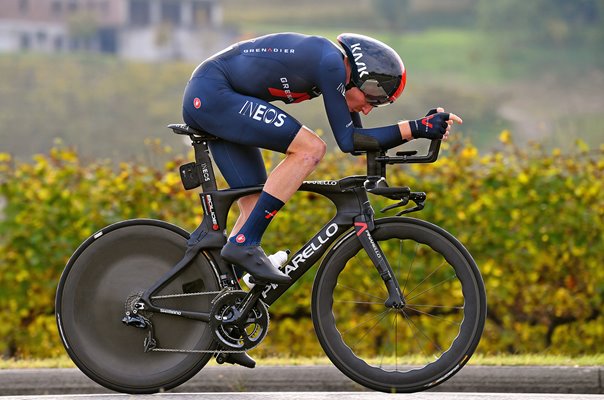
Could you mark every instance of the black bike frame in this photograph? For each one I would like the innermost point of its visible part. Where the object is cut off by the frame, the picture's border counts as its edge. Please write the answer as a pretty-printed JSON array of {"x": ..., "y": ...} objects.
[{"x": 353, "y": 209}]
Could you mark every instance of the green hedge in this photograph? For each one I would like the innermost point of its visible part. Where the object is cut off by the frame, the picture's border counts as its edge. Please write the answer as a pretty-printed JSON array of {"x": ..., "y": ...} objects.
[{"x": 533, "y": 219}]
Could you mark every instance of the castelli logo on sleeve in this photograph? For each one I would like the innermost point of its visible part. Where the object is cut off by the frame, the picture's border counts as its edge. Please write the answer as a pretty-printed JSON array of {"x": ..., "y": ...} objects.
[
  {"x": 240, "y": 238},
  {"x": 197, "y": 103}
]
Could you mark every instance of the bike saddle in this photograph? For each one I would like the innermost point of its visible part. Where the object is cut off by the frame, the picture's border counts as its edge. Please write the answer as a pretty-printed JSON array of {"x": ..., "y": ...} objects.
[{"x": 184, "y": 129}]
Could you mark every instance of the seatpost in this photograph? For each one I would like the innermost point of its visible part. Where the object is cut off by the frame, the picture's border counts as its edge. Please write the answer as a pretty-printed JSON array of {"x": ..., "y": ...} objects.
[{"x": 204, "y": 165}]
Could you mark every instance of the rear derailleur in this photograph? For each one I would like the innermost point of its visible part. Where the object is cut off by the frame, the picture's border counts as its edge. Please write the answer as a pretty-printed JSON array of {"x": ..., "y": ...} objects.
[{"x": 137, "y": 317}]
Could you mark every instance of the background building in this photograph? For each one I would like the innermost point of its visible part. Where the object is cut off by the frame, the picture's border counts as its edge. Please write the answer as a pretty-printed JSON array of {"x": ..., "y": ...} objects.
[{"x": 135, "y": 29}]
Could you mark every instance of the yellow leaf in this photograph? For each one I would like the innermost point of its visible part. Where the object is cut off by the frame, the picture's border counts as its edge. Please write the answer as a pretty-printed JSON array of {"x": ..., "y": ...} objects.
[
  {"x": 469, "y": 152},
  {"x": 505, "y": 137},
  {"x": 523, "y": 178}
]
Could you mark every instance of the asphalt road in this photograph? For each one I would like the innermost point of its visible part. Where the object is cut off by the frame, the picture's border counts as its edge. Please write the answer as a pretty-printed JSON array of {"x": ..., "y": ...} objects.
[
  {"x": 325, "y": 378},
  {"x": 321, "y": 396}
]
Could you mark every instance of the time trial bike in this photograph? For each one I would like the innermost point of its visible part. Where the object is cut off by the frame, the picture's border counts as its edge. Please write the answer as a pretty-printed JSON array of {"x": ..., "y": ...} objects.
[{"x": 398, "y": 304}]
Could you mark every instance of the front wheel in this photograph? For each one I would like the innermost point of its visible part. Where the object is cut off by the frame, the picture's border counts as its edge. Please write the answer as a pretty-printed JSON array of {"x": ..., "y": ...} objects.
[
  {"x": 108, "y": 273},
  {"x": 408, "y": 349}
]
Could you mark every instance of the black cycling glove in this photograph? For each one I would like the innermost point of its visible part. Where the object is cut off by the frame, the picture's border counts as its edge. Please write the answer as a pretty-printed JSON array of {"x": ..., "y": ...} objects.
[{"x": 432, "y": 126}]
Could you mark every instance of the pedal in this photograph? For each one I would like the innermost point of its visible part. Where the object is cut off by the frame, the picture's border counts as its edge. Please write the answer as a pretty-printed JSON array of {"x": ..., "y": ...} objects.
[
  {"x": 237, "y": 359},
  {"x": 220, "y": 358}
]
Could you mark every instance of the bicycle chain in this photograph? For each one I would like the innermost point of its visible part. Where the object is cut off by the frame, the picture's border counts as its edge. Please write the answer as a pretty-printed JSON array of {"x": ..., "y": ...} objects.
[
  {"x": 196, "y": 351},
  {"x": 168, "y": 296}
]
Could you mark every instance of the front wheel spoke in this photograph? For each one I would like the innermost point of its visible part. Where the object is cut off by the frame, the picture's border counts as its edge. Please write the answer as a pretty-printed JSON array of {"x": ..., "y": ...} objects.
[
  {"x": 358, "y": 302},
  {"x": 396, "y": 341},
  {"x": 435, "y": 316},
  {"x": 410, "y": 266},
  {"x": 433, "y": 306},
  {"x": 362, "y": 293},
  {"x": 422, "y": 333},
  {"x": 385, "y": 314},
  {"x": 427, "y": 277},
  {"x": 381, "y": 316},
  {"x": 414, "y": 328},
  {"x": 432, "y": 287}
]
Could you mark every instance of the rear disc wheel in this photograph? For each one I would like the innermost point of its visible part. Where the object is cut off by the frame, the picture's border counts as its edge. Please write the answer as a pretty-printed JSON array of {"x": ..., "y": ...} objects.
[{"x": 102, "y": 280}]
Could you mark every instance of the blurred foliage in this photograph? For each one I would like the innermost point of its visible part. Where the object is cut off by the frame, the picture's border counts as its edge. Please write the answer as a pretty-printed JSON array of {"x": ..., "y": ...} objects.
[
  {"x": 394, "y": 12},
  {"x": 546, "y": 22},
  {"x": 102, "y": 105},
  {"x": 532, "y": 218},
  {"x": 472, "y": 57}
]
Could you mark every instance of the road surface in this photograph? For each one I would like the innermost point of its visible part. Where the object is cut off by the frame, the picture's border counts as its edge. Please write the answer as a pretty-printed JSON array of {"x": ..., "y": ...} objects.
[{"x": 318, "y": 396}]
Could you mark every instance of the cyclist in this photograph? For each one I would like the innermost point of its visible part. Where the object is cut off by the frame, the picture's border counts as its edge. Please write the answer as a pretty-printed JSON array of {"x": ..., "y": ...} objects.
[{"x": 230, "y": 95}]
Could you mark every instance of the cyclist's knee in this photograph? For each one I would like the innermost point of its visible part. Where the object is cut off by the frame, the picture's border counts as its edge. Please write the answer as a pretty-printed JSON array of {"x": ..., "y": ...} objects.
[{"x": 308, "y": 145}]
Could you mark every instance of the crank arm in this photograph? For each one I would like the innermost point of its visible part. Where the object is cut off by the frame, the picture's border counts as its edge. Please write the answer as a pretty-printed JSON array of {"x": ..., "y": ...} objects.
[{"x": 248, "y": 303}]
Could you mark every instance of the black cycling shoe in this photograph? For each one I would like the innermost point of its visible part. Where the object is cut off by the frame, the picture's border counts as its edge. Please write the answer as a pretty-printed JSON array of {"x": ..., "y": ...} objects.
[
  {"x": 236, "y": 358},
  {"x": 253, "y": 260}
]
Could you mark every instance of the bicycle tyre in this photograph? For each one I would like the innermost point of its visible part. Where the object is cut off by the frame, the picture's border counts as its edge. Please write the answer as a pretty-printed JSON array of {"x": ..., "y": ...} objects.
[
  {"x": 121, "y": 260},
  {"x": 364, "y": 339}
]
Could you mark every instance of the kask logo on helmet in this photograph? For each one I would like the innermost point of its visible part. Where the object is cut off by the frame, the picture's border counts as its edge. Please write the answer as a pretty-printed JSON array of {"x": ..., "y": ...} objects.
[
  {"x": 357, "y": 52},
  {"x": 377, "y": 69}
]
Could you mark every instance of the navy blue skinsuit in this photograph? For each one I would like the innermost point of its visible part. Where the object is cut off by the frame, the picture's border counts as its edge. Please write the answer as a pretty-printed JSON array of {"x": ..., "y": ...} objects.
[{"x": 229, "y": 96}]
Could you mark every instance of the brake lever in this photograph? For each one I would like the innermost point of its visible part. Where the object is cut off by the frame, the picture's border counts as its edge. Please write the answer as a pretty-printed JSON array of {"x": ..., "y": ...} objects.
[
  {"x": 419, "y": 198},
  {"x": 396, "y": 205}
]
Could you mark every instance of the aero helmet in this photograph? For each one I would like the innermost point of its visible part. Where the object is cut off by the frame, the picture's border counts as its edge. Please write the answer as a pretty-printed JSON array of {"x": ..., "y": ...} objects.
[{"x": 376, "y": 69}]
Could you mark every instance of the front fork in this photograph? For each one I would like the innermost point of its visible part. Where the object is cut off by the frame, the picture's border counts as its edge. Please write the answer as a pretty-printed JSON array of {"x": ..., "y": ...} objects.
[{"x": 364, "y": 225}]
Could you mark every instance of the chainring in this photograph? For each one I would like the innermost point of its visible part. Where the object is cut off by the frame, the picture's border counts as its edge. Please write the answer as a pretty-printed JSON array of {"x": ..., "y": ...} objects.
[{"x": 241, "y": 336}]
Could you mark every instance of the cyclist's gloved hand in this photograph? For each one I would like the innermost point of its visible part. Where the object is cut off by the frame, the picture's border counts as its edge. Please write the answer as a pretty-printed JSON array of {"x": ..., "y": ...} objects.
[{"x": 432, "y": 126}]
